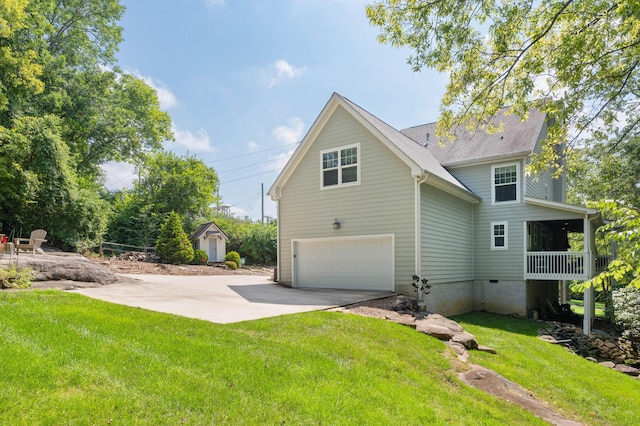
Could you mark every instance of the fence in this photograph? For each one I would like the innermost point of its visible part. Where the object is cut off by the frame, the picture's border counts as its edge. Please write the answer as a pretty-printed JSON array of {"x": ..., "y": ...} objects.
[{"x": 123, "y": 248}]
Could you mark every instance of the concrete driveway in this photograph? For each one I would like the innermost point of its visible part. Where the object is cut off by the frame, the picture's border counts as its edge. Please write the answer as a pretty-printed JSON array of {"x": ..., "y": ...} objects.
[{"x": 222, "y": 298}]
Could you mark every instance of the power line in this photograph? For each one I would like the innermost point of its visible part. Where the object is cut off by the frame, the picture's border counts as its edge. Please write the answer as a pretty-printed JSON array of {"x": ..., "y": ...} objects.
[
  {"x": 247, "y": 177},
  {"x": 252, "y": 153}
]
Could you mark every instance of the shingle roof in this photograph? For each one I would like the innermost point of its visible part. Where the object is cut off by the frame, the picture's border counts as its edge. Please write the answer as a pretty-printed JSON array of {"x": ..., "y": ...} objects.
[
  {"x": 202, "y": 229},
  {"x": 416, "y": 152},
  {"x": 517, "y": 138}
]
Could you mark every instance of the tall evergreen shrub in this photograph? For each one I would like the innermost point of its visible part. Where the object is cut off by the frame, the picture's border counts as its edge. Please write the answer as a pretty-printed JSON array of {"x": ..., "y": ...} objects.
[{"x": 173, "y": 244}]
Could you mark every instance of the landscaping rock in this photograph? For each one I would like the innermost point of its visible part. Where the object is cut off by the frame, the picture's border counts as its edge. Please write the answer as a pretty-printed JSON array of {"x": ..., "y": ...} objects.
[
  {"x": 450, "y": 324},
  {"x": 465, "y": 338},
  {"x": 66, "y": 268},
  {"x": 631, "y": 371},
  {"x": 459, "y": 349},
  {"x": 487, "y": 349},
  {"x": 608, "y": 364},
  {"x": 439, "y": 331},
  {"x": 592, "y": 359},
  {"x": 407, "y": 320}
]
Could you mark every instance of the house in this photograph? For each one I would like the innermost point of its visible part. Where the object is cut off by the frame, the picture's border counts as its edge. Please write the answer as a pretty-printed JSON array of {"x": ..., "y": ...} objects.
[
  {"x": 210, "y": 238},
  {"x": 362, "y": 205}
]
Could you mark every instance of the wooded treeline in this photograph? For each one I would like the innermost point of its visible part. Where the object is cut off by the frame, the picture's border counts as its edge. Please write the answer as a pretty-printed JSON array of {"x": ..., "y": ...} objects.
[{"x": 65, "y": 110}]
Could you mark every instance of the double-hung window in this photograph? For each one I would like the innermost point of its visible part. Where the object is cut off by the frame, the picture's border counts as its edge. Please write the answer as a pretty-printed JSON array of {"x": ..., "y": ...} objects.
[
  {"x": 499, "y": 235},
  {"x": 341, "y": 166},
  {"x": 505, "y": 185}
]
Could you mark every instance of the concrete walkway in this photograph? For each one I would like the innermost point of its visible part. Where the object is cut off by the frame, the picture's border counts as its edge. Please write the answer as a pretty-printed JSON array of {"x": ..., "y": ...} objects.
[{"x": 222, "y": 298}]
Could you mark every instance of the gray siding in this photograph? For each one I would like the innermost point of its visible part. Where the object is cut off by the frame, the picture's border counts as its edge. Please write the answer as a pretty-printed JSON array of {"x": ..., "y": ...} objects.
[
  {"x": 447, "y": 237},
  {"x": 545, "y": 186},
  {"x": 383, "y": 203},
  {"x": 501, "y": 264}
]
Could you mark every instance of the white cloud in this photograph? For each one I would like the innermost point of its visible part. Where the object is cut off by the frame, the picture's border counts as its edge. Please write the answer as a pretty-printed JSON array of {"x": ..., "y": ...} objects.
[
  {"x": 291, "y": 133},
  {"x": 195, "y": 142},
  {"x": 278, "y": 162},
  {"x": 285, "y": 71},
  {"x": 252, "y": 146},
  {"x": 118, "y": 175},
  {"x": 238, "y": 212},
  {"x": 213, "y": 3}
]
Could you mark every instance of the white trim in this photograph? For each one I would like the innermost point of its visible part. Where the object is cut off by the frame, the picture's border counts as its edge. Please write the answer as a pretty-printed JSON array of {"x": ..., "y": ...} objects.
[
  {"x": 518, "y": 183},
  {"x": 358, "y": 166},
  {"x": 493, "y": 235},
  {"x": 560, "y": 206}
]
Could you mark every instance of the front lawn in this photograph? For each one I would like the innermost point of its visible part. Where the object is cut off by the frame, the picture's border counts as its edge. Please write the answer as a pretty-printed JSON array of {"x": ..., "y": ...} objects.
[{"x": 68, "y": 359}]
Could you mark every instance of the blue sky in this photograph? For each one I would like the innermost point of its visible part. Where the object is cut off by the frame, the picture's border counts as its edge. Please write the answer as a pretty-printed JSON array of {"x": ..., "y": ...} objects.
[{"x": 243, "y": 80}]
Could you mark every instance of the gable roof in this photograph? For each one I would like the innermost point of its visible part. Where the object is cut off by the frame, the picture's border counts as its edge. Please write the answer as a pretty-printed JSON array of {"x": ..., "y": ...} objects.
[
  {"x": 517, "y": 139},
  {"x": 195, "y": 235},
  {"x": 420, "y": 160}
]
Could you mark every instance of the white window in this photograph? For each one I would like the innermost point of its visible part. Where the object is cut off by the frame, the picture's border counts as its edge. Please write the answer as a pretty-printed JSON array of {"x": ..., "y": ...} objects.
[
  {"x": 505, "y": 185},
  {"x": 340, "y": 166},
  {"x": 499, "y": 235}
]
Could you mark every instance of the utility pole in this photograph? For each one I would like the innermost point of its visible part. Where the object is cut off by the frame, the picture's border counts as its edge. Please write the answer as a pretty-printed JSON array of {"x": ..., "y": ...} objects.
[{"x": 262, "y": 198}]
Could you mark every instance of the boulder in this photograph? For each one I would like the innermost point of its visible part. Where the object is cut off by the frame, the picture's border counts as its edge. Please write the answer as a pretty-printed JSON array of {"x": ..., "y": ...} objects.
[
  {"x": 459, "y": 349},
  {"x": 608, "y": 364},
  {"x": 439, "y": 331},
  {"x": 407, "y": 320},
  {"x": 626, "y": 369},
  {"x": 450, "y": 324},
  {"x": 465, "y": 338},
  {"x": 66, "y": 268},
  {"x": 487, "y": 349}
]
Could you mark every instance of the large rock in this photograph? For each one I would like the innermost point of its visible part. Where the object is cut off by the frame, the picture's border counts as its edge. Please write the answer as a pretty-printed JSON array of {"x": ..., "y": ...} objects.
[
  {"x": 439, "y": 331},
  {"x": 466, "y": 339},
  {"x": 445, "y": 329},
  {"x": 66, "y": 267},
  {"x": 626, "y": 369}
]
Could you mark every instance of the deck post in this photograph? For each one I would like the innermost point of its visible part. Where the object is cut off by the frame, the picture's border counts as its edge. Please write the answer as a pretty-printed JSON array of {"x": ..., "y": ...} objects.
[{"x": 589, "y": 303}]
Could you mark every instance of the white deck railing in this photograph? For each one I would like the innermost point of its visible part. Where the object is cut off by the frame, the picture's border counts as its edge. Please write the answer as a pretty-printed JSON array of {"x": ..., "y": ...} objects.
[
  {"x": 561, "y": 265},
  {"x": 555, "y": 265}
]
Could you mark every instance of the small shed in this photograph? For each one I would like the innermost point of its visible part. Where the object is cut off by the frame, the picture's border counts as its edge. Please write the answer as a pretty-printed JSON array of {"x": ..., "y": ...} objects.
[{"x": 210, "y": 238}]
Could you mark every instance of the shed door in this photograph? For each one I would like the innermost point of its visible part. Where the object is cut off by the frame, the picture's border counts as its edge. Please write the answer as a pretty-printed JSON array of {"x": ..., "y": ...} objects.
[
  {"x": 360, "y": 263},
  {"x": 213, "y": 249}
]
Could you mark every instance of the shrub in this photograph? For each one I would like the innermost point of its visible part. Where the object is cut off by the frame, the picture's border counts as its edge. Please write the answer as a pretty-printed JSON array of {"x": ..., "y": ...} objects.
[
  {"x": 173, "y": 244},
  {"x": 231, "y": 264},
  {"x": 626, "y": 304},
  {"x": 233, "y": 256},
  {"x": 14, "y": 278},
  {"x": 200, "y": 257}
]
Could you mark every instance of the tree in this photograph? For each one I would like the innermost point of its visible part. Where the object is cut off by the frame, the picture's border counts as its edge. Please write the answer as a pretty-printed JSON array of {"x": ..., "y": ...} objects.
[
  {"x": 574, "y": 59},
  {"x": 257, "y": 242},
  {"x": 173, "y": 244},
  {"x": 181, "y": 184},
  {"x": 65, "y": 109},
  {"x": 184, "y": 185}
]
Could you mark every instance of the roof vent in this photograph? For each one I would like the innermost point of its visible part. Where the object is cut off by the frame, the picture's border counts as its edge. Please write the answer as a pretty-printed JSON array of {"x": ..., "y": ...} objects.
[{"x": 426, "y": 142}]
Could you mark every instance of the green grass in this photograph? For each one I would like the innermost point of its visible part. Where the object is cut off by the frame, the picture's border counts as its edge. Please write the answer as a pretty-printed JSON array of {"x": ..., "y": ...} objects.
[
  {"x": 577, "y": 307},
  {"x": 67, "y": 359},
  {"x": 578, "y": 388}
]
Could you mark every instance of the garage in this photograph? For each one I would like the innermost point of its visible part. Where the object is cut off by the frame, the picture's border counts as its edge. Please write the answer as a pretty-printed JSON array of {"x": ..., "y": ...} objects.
[{"x": 353, "y": 263}]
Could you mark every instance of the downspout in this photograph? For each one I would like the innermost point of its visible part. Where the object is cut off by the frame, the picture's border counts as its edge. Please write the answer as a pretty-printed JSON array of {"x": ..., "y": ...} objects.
[
  {"x": 276, "y": 275},
  {"x": 420, "y": 179}
]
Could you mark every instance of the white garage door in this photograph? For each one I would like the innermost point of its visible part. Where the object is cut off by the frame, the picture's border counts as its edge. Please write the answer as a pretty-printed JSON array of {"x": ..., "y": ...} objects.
[{"x": 363, "y": 263}]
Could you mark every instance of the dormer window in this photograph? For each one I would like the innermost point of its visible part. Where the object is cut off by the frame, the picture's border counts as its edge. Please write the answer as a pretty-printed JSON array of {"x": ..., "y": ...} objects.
[
  {"x": 340, "y": 166},
  {"x": 505, "y": 186}
]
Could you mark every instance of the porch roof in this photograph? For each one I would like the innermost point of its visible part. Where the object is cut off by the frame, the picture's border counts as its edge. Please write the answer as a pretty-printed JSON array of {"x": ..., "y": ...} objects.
[{"x": 591, "y": 213}]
